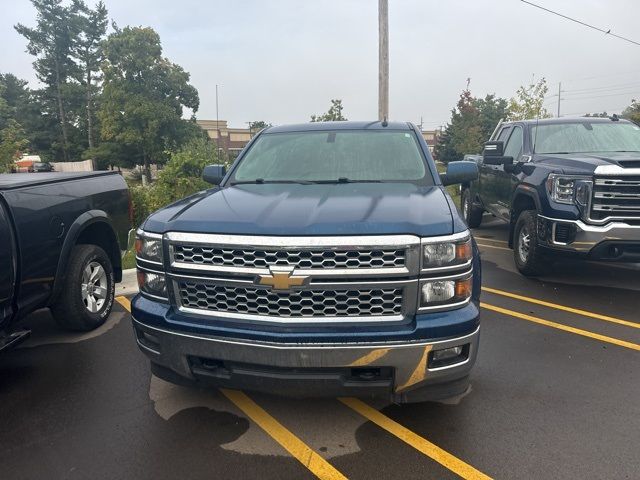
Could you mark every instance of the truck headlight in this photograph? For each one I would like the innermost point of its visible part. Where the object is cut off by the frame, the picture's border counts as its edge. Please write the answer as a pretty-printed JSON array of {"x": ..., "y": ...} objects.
[
  {"x": 450, "y": 253},
  {"x": 152, "y": 283},
  {"x": 569, "y": 189},
  {"x": 149, "y": 246},
  {"x": 445, "y": 292}
]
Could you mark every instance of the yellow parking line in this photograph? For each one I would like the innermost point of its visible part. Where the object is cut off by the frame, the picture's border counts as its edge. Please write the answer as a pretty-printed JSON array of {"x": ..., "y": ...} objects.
[
  {"x": 292, "y": 444},
  {"x": 493, "y": 246},
  {"x": 484, "y": 239},
  {"x": 125, "y": 302},
  {"x": 424, "y": 446},
  {"x": 559, "y": 326},
  {"x": 577, "y": 311}
]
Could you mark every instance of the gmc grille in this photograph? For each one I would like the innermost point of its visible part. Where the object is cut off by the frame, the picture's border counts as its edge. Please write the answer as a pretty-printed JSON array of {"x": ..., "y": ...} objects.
[{"x": 616, "y": 198}]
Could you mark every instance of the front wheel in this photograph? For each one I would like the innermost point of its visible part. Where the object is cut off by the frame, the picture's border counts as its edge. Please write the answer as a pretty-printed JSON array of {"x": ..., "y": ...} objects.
[
  {"x": 472, "y": 214},
  {"x": 527, "y": 252},
  {"x": 88, "y": 291}
]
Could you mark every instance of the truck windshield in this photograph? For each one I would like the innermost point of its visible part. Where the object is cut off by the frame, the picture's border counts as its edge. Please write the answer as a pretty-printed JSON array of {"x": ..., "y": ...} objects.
[
  {"x": 334, "y": 156},
  {"x": 586, "y": 137}
]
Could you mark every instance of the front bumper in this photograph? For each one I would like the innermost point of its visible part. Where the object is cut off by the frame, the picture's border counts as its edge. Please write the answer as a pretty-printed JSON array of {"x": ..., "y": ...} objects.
[
  {"x": 615, "y": 241},
  {"x": 402, "y": 371}
]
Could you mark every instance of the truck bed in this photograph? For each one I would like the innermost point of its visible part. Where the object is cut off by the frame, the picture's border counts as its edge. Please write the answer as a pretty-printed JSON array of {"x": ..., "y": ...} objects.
[{"x": 11, "y": 181}]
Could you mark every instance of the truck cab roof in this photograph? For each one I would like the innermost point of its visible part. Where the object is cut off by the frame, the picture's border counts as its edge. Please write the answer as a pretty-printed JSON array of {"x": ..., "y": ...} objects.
[{"x": 347, "y": 125}]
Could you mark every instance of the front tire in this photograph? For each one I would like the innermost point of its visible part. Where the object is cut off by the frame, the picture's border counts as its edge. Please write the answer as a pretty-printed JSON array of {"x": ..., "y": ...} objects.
[
  {"x": 527, "y": 252},
  {"x": 88, "y": 291},
  {"x": 471, "y": 214}
]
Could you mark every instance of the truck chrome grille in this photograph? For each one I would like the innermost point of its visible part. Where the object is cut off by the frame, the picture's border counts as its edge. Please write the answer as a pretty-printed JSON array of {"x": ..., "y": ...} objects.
[
  {"x": 256, "y": 301},
  {"x": 303, "y": 259},
  {"x": 616, "y": 198}
]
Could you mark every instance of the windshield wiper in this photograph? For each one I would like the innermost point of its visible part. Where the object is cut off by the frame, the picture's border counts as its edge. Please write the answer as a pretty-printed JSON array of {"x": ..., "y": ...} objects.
[
  {"x": 347, "y": 180},
  {"x": 260, "y": 181}
]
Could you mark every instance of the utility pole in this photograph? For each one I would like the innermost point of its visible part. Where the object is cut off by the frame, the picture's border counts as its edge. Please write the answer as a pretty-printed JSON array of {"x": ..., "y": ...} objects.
[
  {"x": 559, "y": 93},
  {"x": 217, "y": 122},
  {"x": 383, "y": 59}
]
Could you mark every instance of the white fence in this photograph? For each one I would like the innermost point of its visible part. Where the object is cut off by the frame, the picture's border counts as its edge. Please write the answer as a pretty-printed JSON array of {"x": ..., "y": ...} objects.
[{"x": 84, "y": 166}]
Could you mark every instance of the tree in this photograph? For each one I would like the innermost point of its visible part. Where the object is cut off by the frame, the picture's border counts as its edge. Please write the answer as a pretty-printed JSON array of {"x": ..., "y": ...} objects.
[
  {"x": 143, "y": 95},
  {"x": 257, "y": 125},
  {"x": 632, "y": 112},
  {"x": 88, "y": 50},
  {"x": 528, "y": 102},
  {"x": 463, "y": 134},
  {"x": 13, "y": 141},
  {"x": 334, "y": 114},
  {"x": 51, "y": 41},
  {"x": 492, "y": 109}
]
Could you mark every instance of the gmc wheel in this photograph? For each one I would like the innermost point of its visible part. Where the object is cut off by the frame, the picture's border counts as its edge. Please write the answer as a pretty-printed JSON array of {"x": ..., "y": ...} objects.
[
  {"x": 527, "y": 253},
  {"x": 88, "y": 291},
  {"x": 471, "y": 214}
]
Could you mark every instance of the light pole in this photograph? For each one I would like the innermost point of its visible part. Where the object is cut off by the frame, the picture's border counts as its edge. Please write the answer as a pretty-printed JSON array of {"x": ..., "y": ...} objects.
[{"x": 383, "y": 59}]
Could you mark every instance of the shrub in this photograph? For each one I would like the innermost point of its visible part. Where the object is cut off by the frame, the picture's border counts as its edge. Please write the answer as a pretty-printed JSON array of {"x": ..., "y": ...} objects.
[{"x": 181, "y": 177}]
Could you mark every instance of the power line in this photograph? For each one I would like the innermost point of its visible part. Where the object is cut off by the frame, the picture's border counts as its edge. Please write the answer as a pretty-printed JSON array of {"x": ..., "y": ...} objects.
[{"x": 606, "y": 32}]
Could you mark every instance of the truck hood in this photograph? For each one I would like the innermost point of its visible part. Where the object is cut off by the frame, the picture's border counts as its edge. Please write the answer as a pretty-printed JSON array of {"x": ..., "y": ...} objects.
[
  {"x": 323, "y": 209},
  {"x": 587, "y": 162}
]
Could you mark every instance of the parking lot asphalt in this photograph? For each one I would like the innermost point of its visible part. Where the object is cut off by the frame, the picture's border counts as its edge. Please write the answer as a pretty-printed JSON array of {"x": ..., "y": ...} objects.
[{"x": 554, "y": 395}]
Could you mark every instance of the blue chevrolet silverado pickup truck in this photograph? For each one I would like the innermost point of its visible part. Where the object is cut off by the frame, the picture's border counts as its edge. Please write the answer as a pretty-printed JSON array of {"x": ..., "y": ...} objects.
[
  {"x": 329, "y": 260},
  {"x": 568, "y": 186}
]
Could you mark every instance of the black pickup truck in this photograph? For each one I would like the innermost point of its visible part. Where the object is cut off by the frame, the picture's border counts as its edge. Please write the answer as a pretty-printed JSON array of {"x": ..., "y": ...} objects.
[
  {"x": 567, "y": 185},
  {"x": 61, "y": 236}
]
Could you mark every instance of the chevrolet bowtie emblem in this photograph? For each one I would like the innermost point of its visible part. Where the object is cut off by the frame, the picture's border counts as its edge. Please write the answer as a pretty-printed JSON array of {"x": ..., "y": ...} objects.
[{"x": 282, "y": 278}]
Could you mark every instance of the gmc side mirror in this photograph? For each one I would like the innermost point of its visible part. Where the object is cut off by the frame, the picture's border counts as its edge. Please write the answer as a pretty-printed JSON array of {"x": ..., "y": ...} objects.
[
  {"x": 462, "y": 171},
  {"x": 214, "y": 174},
  {"x": 493, "y": 154}
]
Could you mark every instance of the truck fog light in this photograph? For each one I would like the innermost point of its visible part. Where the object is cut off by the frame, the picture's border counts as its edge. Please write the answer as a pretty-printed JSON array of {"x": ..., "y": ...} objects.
[
  {"x": 438, "y": 291},
  {"x": 448, "y": 356},
  {"x": 152, "y": 283}
]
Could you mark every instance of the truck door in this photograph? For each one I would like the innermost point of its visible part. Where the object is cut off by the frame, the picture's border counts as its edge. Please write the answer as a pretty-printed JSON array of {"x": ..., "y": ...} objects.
[
  {"x": 7, "y": 266},
  {"x": 490, "y": 177},
  {"x": 505, "y": 180}
]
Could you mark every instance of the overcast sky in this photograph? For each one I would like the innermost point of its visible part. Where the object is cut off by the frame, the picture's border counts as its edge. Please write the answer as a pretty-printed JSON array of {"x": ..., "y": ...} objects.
[{"x": 282, "y": 60}]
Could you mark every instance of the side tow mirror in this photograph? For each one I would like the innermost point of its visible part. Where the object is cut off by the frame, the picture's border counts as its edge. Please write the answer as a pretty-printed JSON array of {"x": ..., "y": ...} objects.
[
  {"x": 462, "y": 171},
  {"x": 214, "y": 174},
  {"x": 493, "y": 154}
]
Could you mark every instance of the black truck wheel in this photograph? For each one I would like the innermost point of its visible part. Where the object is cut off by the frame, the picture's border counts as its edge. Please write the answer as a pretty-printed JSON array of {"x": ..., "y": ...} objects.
[
  {"x": 527, "y": 253},
  {"x": 472, "y": 214},
  {"x": 88, "y": 292}
]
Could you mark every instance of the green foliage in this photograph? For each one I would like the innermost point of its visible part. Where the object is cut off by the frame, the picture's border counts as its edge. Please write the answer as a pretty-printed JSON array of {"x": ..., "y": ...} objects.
[
  {"x": 51, "y": 42},
  {"x": 334, "y": 114},
  {"x": 144, "y": 95},
  {"x": 471, "y": 124},
  {"x": 632, "y": 112},
  {"x": 181, "y": 177},
  {"x": 257, "y": 125},
  {"x": 13, "y": 141},
  {"x": 528, "y": 102}
]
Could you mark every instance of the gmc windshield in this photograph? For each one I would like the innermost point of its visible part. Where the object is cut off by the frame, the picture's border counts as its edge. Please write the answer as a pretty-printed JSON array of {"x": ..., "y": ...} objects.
[{"x": 586, "y": 137}]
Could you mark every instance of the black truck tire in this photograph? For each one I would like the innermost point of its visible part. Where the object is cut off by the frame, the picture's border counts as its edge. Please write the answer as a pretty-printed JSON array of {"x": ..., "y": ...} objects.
[
  {"x": 472, "y": 214},
  {"x": 88, "y": 291},
  {"x": 528, "y": 255}
]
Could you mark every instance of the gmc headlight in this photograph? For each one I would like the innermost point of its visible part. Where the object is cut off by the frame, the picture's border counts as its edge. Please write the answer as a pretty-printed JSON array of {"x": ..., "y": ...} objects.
[
  {"x": 445, "y": 292},
  {"x": 569, "y": 189},
  {"x": 152, "y": 283},
  {"x": 149, "y": 246},
  {"x": 444, "y": 253}
]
